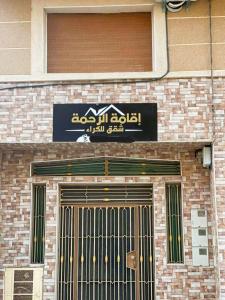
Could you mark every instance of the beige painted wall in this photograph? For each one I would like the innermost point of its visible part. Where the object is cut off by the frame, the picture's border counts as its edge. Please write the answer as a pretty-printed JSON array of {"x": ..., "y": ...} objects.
[
  {"x": 188, "y": 34},
  {"x": 15, "y": 37},
  {"x": 189, "y": 37}
]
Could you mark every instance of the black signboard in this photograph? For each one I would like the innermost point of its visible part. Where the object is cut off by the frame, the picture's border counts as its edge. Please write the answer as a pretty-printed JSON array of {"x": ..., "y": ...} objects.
[{"x": 105, "y": 122}]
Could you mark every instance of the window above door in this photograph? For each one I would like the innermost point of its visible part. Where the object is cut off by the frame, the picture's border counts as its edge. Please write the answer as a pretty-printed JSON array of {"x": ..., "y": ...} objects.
[{"x": 98, "y": 42}]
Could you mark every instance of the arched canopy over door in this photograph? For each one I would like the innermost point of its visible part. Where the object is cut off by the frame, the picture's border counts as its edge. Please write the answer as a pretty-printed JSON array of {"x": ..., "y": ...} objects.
[{"x": 106, "y": 166}]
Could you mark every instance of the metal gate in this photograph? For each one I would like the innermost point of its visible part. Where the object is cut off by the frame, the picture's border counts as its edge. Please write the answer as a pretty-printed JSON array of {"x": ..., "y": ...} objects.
[{"x": 106, "y": 243}]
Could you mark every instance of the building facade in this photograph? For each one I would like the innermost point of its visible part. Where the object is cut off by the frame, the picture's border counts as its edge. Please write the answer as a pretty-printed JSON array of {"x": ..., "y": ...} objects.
[{"x": 117, "y": 217}]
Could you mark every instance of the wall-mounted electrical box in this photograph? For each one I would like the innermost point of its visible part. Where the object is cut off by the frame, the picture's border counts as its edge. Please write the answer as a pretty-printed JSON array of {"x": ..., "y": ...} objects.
[
  {"x": 206, "y": 157},
  {"x": 198, "y": 218},
  {"x": 200, "y": 256},
  {"x": 199, "y": 237}
]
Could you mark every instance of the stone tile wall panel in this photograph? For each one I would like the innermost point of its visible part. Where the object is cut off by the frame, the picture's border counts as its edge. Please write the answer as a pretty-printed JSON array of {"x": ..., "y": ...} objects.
[
  {"x": 172, "y": 281},
  {"x": 218, "y": 180},
  {"x": 184, "y": 110},
  {"x": 184, "y": 114}
]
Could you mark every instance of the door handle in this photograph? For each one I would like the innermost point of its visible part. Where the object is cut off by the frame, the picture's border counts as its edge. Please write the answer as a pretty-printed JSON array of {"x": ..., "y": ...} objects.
[{"x": 131, "y": 260}]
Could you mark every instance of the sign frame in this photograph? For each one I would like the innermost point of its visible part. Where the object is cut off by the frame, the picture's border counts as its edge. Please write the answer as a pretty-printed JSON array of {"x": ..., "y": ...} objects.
[{"x": 105, "y": 122}]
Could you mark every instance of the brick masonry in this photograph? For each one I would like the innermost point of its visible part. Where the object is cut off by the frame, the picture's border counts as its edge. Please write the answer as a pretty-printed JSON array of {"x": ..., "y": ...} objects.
[
  {"x": 184, "y": 111},
  {"x": 185, "y": 115},
  {"x": 218, "y": 180},
  {"x": 172, "y": 281}
]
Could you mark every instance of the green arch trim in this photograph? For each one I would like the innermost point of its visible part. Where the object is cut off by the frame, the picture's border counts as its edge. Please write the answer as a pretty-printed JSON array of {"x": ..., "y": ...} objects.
[{"x": 106, "y": 166}]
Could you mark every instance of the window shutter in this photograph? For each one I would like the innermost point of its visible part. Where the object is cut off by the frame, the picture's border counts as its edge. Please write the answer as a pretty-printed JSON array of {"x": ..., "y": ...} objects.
[{"x": 98, "y": 43}]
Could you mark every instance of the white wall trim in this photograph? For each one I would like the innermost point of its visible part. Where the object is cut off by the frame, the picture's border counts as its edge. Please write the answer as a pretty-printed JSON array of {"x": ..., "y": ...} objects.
[
  {"x": 105, "y": 76},
  {"x": 37, "y": 38},
  {"x": 118, "y": 8}
]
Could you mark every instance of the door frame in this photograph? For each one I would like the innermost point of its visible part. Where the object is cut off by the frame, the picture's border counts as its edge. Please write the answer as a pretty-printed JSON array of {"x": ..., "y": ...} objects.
[{"x": 106, "y": 204}]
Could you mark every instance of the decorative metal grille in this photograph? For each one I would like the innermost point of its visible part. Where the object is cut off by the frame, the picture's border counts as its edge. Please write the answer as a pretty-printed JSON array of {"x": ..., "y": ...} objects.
[
  {"x": 174, "y": 223},
  {"x": 38, "y": 229},
  {"x": 106, "y": 166},
  {"x": 146, "y": 251},
  {"x": 105, "y": 193},
  {"x": 106, "y": 251},
  {"x": 67, "y": 253},
  {"x": 23, "y": 285},
  {"x": 104, "y": 241}
]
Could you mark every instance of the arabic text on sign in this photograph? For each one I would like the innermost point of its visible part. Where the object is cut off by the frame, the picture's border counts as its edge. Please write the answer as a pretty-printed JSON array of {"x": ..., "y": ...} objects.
[{"x": 129, "y": 118}]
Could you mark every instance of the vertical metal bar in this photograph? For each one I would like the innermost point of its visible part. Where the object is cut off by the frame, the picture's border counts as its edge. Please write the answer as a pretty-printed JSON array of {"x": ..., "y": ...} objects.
[
  {"x": 59, "y": 247},
  {"x": 64, "y": 256},
  {"x": 98, "y": 254},
  {"x": 180, "y": 240},
  {"x": 110, "y": 253},
  {"x": 179, "y": 224},
  {"x": 118, "y": 256},
  {"x": 102, "y": 266},
  {"x": 150, "y": 251},
  {"x": 90, "y": 260},
  {"x": 86, "y": 251},
  {"x": 82, "y": 252},
  {"x": 145, "y": 250},
  {"x": 94, "y": 255},
  {"x": 65, "y": 260},
  {"x": 131, "y": 284},
  {"x": 141, "y": 252},
  {"x": 76, "y": 261},
  {"x": 38, "y": 225},
  {"x": 123, "y": 226},
  {"x": 42, "y": 225},
  {"x": 35, "y": 225},
  {"x": 67, "y": 252},
  {"x": 99, "y": 222},
  {"x": 175, "y": 225},
  {"x": 137, "y": 247},
  {"x": 145, "y": 243},
  {"x": 170, "y": 225},
  {"x": 114, "y": 252},
  {"x": 61, "y": 253},
  {"x": 106, "y": 252},
  {"x": 71, "y": 252}
]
